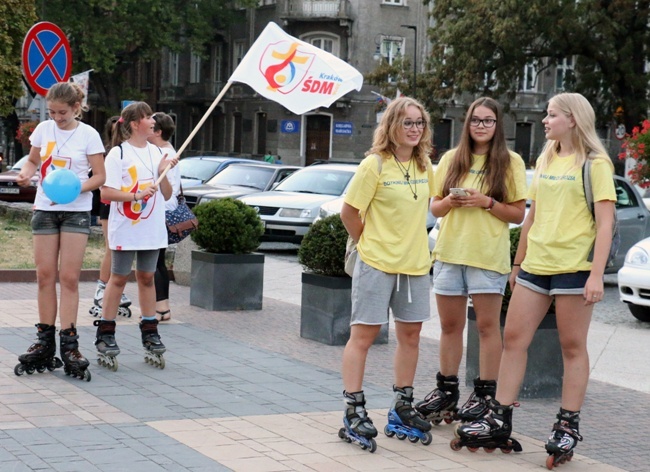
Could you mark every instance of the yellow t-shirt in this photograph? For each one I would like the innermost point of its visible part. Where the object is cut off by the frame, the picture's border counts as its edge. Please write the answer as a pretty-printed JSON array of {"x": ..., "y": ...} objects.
[
  {"x": 564, "y": 231},
  {"x": 394, "y": 238},
  {"x": 473, "y": 236}
]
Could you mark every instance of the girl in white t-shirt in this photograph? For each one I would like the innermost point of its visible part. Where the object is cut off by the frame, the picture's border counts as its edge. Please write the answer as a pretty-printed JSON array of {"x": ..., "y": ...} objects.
[
  {"x": 61, "y": 230},
  {"x": 136, "y": 227}
]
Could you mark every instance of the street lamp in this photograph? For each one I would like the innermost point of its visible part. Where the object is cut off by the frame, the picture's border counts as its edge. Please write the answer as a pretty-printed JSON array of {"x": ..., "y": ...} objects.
[{"x": 415, "y": 54}]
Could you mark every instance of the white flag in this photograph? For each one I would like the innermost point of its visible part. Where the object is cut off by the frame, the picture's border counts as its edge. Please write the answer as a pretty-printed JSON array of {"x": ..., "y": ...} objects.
[
  {"x": 293, "y": 73},
  {"x": 82, "y": 81}
]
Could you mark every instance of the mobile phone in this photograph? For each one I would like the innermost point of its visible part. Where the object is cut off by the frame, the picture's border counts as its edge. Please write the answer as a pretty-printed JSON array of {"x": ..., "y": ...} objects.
[{"x": 459, "y": 192}]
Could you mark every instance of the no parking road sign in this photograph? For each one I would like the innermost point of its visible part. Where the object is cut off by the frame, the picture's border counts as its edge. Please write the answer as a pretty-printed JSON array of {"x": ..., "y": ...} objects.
[{"x": 47, "y": 58}]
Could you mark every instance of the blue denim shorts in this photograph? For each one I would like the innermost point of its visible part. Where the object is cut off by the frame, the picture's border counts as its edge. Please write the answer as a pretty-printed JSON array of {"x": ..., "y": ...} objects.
[
  {"x": 55, "y": 222},
  {"x": 462, "y": 280},
  {"x": 572, "y": 283}
]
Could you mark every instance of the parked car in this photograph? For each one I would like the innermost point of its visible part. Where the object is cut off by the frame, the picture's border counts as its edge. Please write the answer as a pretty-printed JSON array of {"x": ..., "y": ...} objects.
[
  {"x": 633, "y": 219},
  {"x": 197, "y": 170},
  {"x": 238, "y": 180},
  {"x": 289, "y": 209},
  {"x": 10, "y": 191},
  {"x": 634, "y": 280}
]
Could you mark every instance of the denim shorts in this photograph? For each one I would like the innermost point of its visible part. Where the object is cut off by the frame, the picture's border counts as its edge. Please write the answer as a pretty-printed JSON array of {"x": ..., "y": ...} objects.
[
  {"x": 122, "y": 261},
  {"x": 55, "y": 222},
  {"x": 572, "y": 283},
  {"x": 462, "y": 280},
  {"x": 374, "y": 291}
]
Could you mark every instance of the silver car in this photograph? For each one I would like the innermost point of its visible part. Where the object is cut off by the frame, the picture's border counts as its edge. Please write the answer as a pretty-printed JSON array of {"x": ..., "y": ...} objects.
[{"x": 289, "y": 209}]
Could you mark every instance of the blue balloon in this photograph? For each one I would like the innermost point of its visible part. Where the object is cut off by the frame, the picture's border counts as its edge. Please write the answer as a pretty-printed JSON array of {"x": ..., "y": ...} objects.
[{"x": 62, "y": 186}]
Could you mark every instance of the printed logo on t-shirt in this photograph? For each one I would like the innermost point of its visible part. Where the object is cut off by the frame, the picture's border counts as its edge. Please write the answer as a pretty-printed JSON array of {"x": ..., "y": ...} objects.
[
  {"x": 51, "y": 163},
  {"x": 136, "y": 210}
]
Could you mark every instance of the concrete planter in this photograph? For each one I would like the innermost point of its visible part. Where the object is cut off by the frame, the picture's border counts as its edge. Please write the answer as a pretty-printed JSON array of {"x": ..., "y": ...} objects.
[
  {"x": 326, "y": 309},
  {"x": 544, "y": 370},
  {"x": 227, "y": 282}
]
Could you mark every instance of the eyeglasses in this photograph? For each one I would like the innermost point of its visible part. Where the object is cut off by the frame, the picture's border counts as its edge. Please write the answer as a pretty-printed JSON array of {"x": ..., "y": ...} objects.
[
  {"x": 408, "y": 124},
  {"x": 487, "y": 122}
]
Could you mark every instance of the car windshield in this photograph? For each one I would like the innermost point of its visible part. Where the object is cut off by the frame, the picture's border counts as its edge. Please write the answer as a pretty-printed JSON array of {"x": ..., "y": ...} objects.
[
  {"x": 198, "y": 169},
  {"x": 244, "y": 176},
  {"x": 320, "y": 181}
]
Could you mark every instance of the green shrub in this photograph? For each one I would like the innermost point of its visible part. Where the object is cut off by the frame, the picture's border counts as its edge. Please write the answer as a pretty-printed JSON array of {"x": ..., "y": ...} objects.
[
  {"x": 227, "y": 226},
  {"x": 323, "y": 248}
]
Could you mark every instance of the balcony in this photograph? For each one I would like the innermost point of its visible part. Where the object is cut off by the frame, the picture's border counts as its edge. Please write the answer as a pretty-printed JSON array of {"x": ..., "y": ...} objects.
[
  {"x": 316, "y": 10},
  {"x": 202, "y": 91}
]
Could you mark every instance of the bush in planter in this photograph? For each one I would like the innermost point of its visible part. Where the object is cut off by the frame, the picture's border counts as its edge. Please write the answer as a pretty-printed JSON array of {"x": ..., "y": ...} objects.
[
  {"x": 323, "y": 248},
  {"x": 227, "y": 226}
]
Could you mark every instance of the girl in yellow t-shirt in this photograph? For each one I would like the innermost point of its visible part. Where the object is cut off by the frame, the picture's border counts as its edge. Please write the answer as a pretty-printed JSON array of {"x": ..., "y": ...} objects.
[
  {"x": 551, "y": 263},
  {"x": 480, "y": 187}
]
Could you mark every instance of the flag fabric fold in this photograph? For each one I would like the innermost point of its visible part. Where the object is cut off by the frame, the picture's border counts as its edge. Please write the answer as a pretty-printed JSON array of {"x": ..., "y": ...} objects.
[
  {"x": 293, "y": 73},
  {"x": 82, "y": 80}
]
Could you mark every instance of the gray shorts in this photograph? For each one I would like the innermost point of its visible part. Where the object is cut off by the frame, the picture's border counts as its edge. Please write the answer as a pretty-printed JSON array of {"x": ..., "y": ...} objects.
[
  {"x": 55, "y": 222},
  {"x": 122, "y": 261},
  {"x": 374, "y": 291}
]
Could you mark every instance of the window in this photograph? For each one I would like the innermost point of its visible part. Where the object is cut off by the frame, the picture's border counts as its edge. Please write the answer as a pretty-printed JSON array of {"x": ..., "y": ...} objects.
[
  {"x": 563, "y": 72},
  {"x": 261, "y": 3},
  {"x": 528, "y": 80},
  {"x": 393, "y": 2},
  {"x": 173, "y": 68},
  {"x": 326, "y": 42},
  {"x": 238, "y": 52},
  {"x": 217, "y": 62},
  {"x": 391, "y": 48},
  {"x": 195, "y": 68},
  {"x": 147, "y": 75}
]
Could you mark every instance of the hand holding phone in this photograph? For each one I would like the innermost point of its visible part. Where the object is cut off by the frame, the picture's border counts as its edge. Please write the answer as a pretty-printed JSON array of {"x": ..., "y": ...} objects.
[{"x": 459, "y": 192}]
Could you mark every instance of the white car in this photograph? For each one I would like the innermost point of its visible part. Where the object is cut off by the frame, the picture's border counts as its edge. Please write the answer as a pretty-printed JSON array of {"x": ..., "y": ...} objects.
[
  {"x": 289, "y": 209},
  {"x": 634, "y": 280}
]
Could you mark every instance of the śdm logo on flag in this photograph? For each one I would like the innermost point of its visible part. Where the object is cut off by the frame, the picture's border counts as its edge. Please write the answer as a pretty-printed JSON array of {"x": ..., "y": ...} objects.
[{"x": 295, "y": 74}]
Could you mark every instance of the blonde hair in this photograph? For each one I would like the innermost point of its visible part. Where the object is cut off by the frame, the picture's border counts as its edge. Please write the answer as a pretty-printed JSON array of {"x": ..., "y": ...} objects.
[
  {"x": 68, "y": 93},
  {"x": 584, "y": 139},
  {"x": 385, "y": 137}
]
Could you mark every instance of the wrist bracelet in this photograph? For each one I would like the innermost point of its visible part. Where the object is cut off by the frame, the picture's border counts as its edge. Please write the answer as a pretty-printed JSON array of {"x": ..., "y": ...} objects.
[
  {"x": 516, "y": 265},
  {"x": 492, "y": 203},
  {"x": 135, "y": 199}
]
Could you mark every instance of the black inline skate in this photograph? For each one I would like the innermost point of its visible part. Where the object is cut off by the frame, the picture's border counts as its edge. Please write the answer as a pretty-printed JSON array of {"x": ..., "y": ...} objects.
[
  {"x": 476, "y": 406},
  {"x": 440, "y": 403},
  {"x": 490, "y": 432},
  {"x": 404, "y": 421},
  {"x": 358, "y": 428},
  {"x": 74, "y": 363},
  {"x": 153, "y": 346},
  {"x": 563, "y": 439},
  {"x": 107, "y": 348},
  {"x": 40, "y": 355},
  {"x": 96, "y": 309}
]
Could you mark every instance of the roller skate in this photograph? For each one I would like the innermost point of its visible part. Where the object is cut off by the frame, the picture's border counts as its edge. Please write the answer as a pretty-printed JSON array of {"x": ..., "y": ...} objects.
[
  {"x": 490, "y": 432},
  {"x": 476, "y": 406},
  {"x": 74, "y": 363},
  {"x": 404, "y": 421},
  {"x": 358, "y": 428},
  {"x": 96, "y": 309},
  {"x": 563, "y": 439},
  {"x": 153, "y": 346},
  {"x": 40, "y": 355},
  {"x": 440, "y": 403},
  {"x": 107, "y": 348}
]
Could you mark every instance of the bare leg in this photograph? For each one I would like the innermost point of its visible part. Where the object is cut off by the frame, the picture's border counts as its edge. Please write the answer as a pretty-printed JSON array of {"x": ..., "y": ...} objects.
[
  {"x": 46, "y": 258},
  {"x": 488, "y": 316},
  {"x": 73, "y": 247},
  {"x": 406, "y": 353},
  {"x": 112, "y": 295},
  {"x": 452, "y": 311},
  {"x": 355, "y": 354}
]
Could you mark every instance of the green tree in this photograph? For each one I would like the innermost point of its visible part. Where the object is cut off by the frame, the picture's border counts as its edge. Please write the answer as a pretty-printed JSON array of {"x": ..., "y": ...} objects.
[
  {"x": 16, "y": 17},
  {"x": 482, "y": 47},
  {"x": 109, "y": 36}
]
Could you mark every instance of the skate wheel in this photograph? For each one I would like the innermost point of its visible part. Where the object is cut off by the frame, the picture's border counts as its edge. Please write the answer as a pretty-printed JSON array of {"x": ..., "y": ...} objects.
[
  {"x": 113, "y": 366},
  {"x": 449, "y": 420},
  {"x": 86, "y": 376},
  {"x": 388, "y": 432},
  {"x": 19, "y": 370},
  {"x": 40, "y": 369},
  {"x": 506, "y": 449},
  {"x": 569, "y": 456},
  {"x": 472, "y": 449},
  {"x": 66, "y": 369},
  {"x": 437, "y": 421},
  {"x": 414, "y": 439},
  {"x": 428, "y": 437},
  {"x": 550, "y": 462},
  {"x": 489, "y": 450},
  {"x": 455, "y": 444},
  {"x": 401, "y": 436},
  {"x": 373, "y": 445},
  {"x": 161, "y": 364},
  {"x": 30, "y": 369},
  {"x": 342, "y": 433}
]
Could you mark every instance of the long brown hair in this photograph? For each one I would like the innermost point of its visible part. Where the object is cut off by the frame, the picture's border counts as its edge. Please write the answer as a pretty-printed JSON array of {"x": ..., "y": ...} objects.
[
  {"x": 496, "y": 170},
  {"x": 384, "y": 141}
]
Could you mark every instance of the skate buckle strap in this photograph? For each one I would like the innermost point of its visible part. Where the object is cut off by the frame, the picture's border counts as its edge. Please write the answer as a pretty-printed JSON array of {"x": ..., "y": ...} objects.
[{"x": 568, "y": 430}]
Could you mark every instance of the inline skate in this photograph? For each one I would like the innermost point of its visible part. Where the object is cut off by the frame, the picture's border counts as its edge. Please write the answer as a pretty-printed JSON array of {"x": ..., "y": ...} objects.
[
  {"x": 563, "y": 439},
  {"x": 153, "y": 346},
  {"x": 476, "y": 406},
  {"x": 96, "y": 309},
  {"x": 107, "y": 348},
  {"x": 404, "y": 421},
  {"x": 358, "y": 428},
  {"x": 490, "y": 432},
  {"x": 440, "y": 403},
  {"x": 74, "y": 363},
  {"x": 40, "y": 355}
]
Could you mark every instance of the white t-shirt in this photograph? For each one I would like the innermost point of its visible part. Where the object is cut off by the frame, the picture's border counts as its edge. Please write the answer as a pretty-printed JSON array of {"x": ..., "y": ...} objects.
[
  {"x": 61, "y": 149},
  {"x": 174, "y": 177},
  {"x": 132, "y": 225}
]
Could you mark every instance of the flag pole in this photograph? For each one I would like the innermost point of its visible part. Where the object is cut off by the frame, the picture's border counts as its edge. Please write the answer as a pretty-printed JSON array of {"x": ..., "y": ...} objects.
[{"x": 196, "y": 129}]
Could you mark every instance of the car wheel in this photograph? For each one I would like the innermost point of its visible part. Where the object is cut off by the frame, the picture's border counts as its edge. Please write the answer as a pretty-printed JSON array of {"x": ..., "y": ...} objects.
[{"x": 641, "y": 313}]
